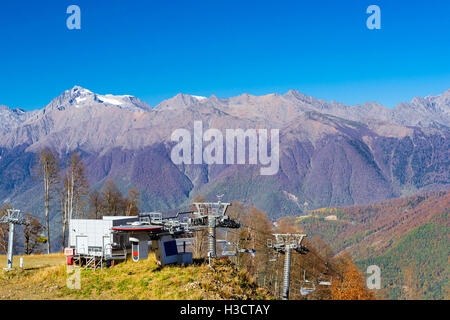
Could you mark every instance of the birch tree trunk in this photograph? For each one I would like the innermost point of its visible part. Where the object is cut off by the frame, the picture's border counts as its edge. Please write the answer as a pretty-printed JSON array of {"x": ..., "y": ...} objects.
[
  {"x": 64, "y": 217},
  {"x": 76, "y": 187},
  {"x": 47, "y": 206},
  {"x": 49, "y": 172}
]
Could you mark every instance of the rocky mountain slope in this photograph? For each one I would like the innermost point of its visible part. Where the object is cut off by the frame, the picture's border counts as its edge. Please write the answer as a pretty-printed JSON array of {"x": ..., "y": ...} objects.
[
  {"x": 330, "y": 153},
  {"x": 12, "y": 118}
]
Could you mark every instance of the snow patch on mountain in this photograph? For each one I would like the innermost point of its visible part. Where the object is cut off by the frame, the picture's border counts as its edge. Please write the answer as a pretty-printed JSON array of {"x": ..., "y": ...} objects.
[
  {"x": 200, "y": 98},
  {"x": 110, "y": 99}
]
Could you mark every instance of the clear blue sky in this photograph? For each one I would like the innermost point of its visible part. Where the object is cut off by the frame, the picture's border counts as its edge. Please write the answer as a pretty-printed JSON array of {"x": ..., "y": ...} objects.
[{"x": 156, "y": 49}]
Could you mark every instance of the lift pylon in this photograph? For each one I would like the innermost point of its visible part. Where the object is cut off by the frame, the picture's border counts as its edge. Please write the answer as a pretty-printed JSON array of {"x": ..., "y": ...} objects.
[
  {"x": 212, "y": 215},
  {"x": 12, "y": 217},
  {"x": 284, "y": 244}
]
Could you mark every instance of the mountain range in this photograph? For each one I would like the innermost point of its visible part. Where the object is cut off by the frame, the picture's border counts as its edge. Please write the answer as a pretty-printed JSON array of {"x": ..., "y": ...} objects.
[{"x": 331, "y": 154}]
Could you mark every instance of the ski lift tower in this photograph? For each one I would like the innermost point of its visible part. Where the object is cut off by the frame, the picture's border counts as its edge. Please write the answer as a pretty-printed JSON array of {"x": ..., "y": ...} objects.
[
  {"x": 12, "y": 218},
  {"x": 212, "y": 215},
  {"x": 285, "y": 243}
]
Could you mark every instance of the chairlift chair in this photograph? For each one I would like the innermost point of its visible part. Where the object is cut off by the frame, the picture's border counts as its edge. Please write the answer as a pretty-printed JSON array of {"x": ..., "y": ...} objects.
[
  {"x": 226, "y": 252},
  {"x": 251, "y": 251},
  {"x": 303, "y": 248},
  {"x": 325, "y": 278},
  {"x": 273, "y": 257},
  {"x": 306, "y": 286}
]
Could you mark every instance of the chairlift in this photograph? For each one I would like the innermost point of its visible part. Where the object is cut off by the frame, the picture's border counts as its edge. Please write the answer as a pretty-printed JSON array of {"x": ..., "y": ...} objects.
[
  {"x": 324, "y": 281},
  {"x": 273, "y": 257},
  {"x": 303, "y": 248},
  {"x": 306, "y": 286},
  {"x": 325, "y": 278},
  {"x": 226, "y": 252},
  {"x": 251, "y": 251}
]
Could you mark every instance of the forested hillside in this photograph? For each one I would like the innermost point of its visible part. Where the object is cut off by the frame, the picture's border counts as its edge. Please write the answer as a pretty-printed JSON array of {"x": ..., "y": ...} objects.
[{"x": 407, "y": 238}]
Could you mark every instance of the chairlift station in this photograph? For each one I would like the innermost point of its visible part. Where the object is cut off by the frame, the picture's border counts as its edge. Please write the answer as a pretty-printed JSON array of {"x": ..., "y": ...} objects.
[{"x": 94, "y": 243}]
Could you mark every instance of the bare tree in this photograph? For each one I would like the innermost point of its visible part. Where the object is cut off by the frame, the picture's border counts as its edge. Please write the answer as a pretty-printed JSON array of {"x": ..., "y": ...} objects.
[
  {"x": 133, "y": 202},
  {"x": 199, "y": 243},
  {"x": 48, "y": 171},
  {"x": 4, "y": 229},
  {"x": 76, "y": 188},
  {"x": 96, "y": 203},
  {"x": 114, "y": 203},
  {"x": 32, "y": 235}
]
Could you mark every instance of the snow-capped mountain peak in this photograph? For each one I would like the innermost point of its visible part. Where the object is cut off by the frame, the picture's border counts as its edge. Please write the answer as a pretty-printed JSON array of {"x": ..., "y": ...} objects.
[{"x": 79, "y": 98}]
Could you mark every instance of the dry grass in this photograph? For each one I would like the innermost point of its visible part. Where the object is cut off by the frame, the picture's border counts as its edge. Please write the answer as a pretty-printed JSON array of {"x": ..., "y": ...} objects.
[
  {"x": 35, "y": 261},
  {"x": 133, "y": 280}
]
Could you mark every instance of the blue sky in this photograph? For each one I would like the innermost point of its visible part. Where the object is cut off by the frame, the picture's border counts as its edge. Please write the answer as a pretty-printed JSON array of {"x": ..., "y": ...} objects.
[{"x": 156, "y": 49}]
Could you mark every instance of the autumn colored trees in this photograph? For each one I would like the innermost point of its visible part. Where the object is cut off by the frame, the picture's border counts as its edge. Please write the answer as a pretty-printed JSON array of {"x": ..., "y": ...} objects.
[
  {"x": 266, "y": 267},
  {"x": 32, "y": 235},
  {"x": 350, "y": 284},
  {"x": 110, "y": 201}
]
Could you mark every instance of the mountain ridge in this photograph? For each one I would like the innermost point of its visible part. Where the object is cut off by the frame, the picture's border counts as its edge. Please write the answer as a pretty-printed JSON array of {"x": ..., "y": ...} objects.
[
  {"x": 259, "y": 108},
  {"x": 292, "y": 93},
  {"x": 329, "y": 155}
]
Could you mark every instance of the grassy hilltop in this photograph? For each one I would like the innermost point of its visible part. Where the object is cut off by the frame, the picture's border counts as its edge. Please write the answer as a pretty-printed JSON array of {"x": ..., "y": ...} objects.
[{"x": 128, "y": 280}]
